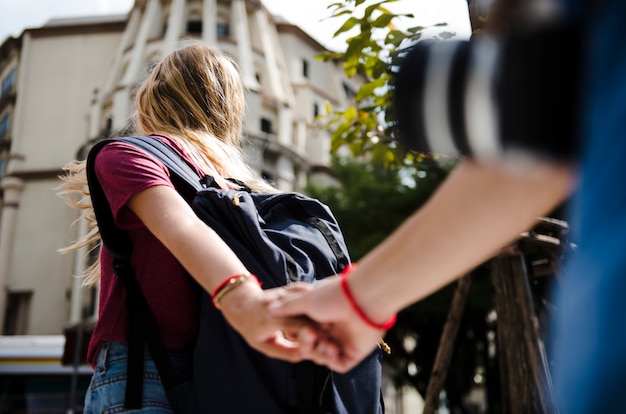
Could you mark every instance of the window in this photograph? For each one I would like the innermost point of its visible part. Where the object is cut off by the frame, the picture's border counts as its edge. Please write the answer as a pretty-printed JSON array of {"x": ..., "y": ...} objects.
[
  {"x": 16, "y": 316},
  {"x": 7, "y": 83},
  {"x": 267, "y": 176},
  {"x": 223, "y": 29},
  {"x": 350, "y": 94},
  {"x": 270, "y": 159},
  {"x": 4, "y": 126},
  {"x": 305, "y": 68},
  {"x": 194, "y": 27},
  {"x": 316, "y": 110},
  {"x": 266, "y": 125},
  {"x": 107, "y": 128}
]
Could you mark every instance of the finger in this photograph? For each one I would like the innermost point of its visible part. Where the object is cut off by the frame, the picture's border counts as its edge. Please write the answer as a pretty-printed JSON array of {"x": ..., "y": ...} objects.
[
  {"x": 298, "y": 287},
  {"x": 307, "y": 339},
  {"x": 328, "y": 350},
  {"x": 276, "y": 294},
  {"x": 292, "y": 326},
  {"x": 282, "y": 348},
  {"x": 289, "y": 305},
  {"x": 281, "y": 342},
  {"x": 327, "y": 353}
]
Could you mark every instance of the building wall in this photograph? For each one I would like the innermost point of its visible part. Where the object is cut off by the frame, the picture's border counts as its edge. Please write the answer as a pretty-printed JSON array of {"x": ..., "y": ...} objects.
[
  {"x": 36, "y": 266},
  {"x": 58, "y": 75},
  {"x": 73, "y": 75}
]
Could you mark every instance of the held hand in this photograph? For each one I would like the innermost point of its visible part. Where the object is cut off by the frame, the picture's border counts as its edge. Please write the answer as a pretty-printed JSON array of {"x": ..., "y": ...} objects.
[
  {"x": 246, "y": 310},
  {"x": 342, "y": 339}
]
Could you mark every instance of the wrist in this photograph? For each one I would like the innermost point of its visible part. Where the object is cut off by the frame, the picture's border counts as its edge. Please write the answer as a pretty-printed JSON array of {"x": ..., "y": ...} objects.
[
  {"x": 369, "y": 319},
  {"x": 234, "y": 287}
]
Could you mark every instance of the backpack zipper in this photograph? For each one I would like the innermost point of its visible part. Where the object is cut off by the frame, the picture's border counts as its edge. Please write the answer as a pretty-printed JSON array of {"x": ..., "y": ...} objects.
[{"x": 236, "y": 198}]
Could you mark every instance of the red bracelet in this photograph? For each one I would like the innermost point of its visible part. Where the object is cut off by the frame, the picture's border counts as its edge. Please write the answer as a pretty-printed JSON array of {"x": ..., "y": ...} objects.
[
  {"x": 343, "y": 281},
  {"x": 229, "y": 284}
]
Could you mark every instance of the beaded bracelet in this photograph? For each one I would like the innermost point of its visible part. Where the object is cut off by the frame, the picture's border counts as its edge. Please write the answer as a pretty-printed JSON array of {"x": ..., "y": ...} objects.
[
  {"x": 343, "y": 281},
  {"x": 230, "y": 284}
]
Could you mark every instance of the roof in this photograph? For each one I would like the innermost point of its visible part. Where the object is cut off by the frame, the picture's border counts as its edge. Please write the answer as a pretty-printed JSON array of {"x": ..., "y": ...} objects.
[{"x": 66, "y": 21}]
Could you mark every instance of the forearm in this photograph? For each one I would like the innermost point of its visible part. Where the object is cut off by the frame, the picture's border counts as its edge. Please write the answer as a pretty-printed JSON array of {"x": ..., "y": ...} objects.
[
  {"x": 210, "y": 261},
  {"x": 474, "y": 213},
  {"x": 196, "y": 246},
  {"x": 204, "y": 254}
]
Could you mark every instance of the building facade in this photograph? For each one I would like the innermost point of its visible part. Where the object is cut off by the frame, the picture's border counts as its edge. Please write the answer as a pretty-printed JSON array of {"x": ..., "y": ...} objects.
[{"x": 70, "y": 83}]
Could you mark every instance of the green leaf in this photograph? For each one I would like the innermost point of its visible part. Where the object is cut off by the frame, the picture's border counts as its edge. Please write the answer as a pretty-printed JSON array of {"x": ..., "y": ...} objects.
[
  {"x": 367, "y": 126},
  {"x": 350, "y": 113},
  {"x": 328, "y": 107},
  {"x": 368, "y": 88},
  {"x": 415, "y": 29},
  {"x": 349, "y": 24},
  {"x": 383, "y": 20}
]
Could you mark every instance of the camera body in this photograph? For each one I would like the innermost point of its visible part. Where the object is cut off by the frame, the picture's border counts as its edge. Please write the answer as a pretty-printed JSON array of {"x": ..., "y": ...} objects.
[{"x": 516, "y": 95}]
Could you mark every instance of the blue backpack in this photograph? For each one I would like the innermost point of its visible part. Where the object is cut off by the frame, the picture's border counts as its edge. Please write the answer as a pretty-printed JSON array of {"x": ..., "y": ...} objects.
[{"x": 281, "y": 238}]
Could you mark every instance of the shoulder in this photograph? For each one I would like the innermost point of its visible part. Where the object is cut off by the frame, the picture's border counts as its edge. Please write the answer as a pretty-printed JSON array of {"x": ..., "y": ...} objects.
[
  {"x": 121, "y": 167},
  {"x": 123, "y": 159},
  {"x": 124, "y": 170}
]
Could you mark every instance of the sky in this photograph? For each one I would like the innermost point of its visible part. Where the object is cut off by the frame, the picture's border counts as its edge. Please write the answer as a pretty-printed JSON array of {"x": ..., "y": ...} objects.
[{"x": 309, "y": 15}]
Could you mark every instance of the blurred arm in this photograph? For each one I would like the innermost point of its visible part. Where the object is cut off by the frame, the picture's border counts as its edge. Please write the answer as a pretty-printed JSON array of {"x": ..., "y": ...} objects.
[{"x": 474, "y": 213}]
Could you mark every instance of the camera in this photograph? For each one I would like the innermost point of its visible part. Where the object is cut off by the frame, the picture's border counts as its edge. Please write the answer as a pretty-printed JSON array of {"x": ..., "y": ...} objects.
[{"x": 516, "y": 94}]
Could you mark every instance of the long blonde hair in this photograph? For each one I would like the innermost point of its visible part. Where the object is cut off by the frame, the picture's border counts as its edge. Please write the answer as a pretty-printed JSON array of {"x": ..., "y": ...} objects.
[{"x": 195, "y": 96}]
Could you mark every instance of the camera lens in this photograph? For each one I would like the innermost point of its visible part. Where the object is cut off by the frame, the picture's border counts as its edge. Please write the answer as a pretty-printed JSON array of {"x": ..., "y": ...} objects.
[{"x": 491, "y": 97}]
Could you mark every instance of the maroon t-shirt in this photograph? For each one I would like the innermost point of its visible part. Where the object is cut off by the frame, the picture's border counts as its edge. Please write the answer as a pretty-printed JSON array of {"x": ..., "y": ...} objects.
[{"x": 124, "y": 171}]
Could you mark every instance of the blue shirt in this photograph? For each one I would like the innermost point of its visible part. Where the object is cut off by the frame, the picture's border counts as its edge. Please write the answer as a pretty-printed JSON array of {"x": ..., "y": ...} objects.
[{"x": 589, "y": 341}]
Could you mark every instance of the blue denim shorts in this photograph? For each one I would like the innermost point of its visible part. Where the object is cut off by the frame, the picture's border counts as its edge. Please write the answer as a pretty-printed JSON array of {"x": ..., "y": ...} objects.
[{"x": 108, "y": 385}]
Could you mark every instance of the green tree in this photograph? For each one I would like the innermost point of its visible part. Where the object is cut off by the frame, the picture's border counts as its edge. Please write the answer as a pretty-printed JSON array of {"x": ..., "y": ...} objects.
[
  {"x": 374, "y": 41},
  {"x": 376, "y": 196},
  {"x": 372, "y": 201}
]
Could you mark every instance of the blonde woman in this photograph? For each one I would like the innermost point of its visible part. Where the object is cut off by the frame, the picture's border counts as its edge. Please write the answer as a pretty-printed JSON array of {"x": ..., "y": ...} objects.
[{"x": 193, "y": 100}]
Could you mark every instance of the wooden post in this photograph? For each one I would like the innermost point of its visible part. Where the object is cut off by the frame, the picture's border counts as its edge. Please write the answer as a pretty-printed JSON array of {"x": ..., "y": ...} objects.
[
  {"x": 525, "y": 379},
  {"x": 446, "y": 345},
  {"x": 524, "y": 371}
]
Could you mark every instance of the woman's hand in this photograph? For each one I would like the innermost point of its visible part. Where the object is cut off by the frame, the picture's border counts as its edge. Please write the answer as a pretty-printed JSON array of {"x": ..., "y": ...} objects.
[
  {"x": 342, "y": 339},
  {"x": 246, "y": 308}
]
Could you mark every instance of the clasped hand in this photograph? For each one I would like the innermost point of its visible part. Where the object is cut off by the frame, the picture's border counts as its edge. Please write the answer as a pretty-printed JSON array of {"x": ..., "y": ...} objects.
[{"x": 301, "y": 322}]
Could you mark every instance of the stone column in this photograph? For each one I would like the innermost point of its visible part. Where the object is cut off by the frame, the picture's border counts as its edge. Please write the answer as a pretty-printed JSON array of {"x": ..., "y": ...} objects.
[
  {"x": 12, "y": 188},
  {"x": 244, "y": 45},
  {"x": 284, "y": 174},
  {"x": 285, "y": 126},
  {"x": 175, "y": 23},
  {"x": 121, "y": 98},
  {"x": 150, "y": 17},
  {"x": 271, "y": 60},
  {"x": 127, "y": 38},
  {"x": 209, "y": 22},
  {"x": 80, "y": 263}
]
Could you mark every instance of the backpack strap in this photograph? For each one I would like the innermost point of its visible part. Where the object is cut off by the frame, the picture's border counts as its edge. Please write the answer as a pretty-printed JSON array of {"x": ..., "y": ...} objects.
[
  {"x": 141, "y": 325},
  {"x": 184, "y": 177},
  {"x": 116, "y": 240}
]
